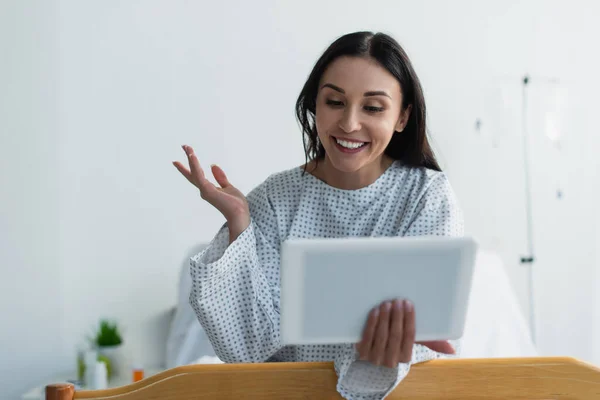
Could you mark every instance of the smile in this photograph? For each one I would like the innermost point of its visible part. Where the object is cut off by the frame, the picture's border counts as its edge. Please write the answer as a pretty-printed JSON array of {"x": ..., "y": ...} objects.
[{"x": 349, "y": 146}]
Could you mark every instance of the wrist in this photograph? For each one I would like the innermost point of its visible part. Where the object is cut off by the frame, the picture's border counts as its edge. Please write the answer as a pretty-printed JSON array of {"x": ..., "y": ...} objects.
[{"x": 237, "y": 227}]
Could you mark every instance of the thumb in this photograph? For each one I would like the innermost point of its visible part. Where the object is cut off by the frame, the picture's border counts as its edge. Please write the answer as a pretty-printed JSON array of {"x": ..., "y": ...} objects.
[
  {"x": 220, "y": 176},
  {"x": 441, "y": 346}
]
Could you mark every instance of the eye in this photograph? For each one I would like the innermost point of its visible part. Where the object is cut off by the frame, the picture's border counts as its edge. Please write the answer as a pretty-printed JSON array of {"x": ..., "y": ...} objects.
[
  {"x": 334, "y": 103},
  {"x": 374, "y": 109}
]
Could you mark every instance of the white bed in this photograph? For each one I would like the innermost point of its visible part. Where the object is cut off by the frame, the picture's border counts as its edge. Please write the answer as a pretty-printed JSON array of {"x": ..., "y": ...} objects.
[{"x": 495, "y": 326}]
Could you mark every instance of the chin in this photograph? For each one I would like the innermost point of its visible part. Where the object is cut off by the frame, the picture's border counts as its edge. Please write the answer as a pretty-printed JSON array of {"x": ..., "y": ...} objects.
[{"x": 347, "y": 165}]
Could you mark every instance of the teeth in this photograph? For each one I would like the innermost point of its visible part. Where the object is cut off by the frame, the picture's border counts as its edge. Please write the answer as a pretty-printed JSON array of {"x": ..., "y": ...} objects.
[{"x": 349, "y": 145}]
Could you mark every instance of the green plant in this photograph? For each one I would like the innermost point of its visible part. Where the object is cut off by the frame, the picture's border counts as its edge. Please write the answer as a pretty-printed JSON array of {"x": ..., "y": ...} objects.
[{"x": 108, "y": 334}]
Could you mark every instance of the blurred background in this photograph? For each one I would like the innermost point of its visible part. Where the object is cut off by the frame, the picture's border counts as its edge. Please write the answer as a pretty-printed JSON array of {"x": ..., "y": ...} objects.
[{"x": 96, "y": 98}]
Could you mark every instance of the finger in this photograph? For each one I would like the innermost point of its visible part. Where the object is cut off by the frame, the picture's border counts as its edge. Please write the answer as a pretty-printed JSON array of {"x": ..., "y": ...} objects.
[
  {"x": 206, "y": 188},
  {"x": 195, "y": 168},
  {"x": 184, "y": 171},
  {"x": 441, "y": 346},
  {"x": 394, "y": 348},
  {"x": 220, "y": 176},
  {"x": 364, "y": 346},
  {"x": 381, "y": 334},
  {"x": 408, "y": 338}
]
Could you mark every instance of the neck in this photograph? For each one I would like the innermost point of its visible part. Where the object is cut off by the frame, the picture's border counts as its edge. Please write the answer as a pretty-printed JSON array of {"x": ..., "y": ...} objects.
[{"x": 352, "y": 180}]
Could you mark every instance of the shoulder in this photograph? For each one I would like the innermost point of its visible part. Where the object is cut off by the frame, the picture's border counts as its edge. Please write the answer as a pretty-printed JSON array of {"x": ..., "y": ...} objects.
[
  {"x": 287, "y": 178},
  {"x": 279, "y": 185},
  {"x": 432, "y": 206},
  {"x": 420, "y": 178},
  {"x": 425, "y": 185}
]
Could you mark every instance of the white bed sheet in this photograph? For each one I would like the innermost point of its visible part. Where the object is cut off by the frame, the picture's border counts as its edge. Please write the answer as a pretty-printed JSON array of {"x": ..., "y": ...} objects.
[{"x": 495, "y": 325}]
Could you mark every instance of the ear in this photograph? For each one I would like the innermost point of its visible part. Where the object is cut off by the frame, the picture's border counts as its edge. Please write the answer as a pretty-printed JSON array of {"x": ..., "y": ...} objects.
[{"x": 403, "y": 119}]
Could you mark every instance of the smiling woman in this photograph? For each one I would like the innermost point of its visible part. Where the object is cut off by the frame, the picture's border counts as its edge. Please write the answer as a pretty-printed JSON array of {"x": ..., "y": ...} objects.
[{"x": 371, "y": 172}]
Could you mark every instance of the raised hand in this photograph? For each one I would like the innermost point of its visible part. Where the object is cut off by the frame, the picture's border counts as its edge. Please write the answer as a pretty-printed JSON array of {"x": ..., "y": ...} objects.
[
  {"x": 226, "y": 198},
  {"x": 389, "y": 335}
]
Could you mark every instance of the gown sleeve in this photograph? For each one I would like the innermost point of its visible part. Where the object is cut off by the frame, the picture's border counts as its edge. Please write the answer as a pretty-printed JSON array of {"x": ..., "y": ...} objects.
[{"x": 235, "y": 287}]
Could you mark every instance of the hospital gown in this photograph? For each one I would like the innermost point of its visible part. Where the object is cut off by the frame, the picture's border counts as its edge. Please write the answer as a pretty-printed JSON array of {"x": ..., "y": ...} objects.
[{"x": 235, "y": 289}]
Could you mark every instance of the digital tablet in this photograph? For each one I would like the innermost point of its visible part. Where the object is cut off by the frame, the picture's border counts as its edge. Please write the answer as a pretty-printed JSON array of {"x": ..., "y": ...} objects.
[{"x": 329, "y": 286}]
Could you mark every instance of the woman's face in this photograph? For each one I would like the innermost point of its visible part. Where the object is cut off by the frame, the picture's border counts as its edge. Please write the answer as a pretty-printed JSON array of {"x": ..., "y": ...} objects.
[{"x": 358, "y": 110}]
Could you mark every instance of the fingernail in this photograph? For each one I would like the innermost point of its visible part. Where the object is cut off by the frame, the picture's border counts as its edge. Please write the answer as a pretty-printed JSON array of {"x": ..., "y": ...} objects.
[
  {"x": 398, "y": 304},
  {"x": 375, "y": 311},
  {"x": 387, "y": 306},
  {"x": 409, "y": 305}
]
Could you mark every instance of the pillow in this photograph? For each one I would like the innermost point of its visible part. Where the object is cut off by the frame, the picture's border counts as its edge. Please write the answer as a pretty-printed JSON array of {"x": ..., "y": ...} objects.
[{"x": 186, "y": 342}]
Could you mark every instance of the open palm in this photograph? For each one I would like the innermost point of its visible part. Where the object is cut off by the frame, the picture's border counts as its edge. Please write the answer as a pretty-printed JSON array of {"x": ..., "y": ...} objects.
[{"x": 226, "y": 198}]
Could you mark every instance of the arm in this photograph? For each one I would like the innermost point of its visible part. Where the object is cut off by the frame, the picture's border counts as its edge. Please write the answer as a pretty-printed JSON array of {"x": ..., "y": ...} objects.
[
  {"x": 436, "y": 213},
  {"x": 234, "y": 287}
]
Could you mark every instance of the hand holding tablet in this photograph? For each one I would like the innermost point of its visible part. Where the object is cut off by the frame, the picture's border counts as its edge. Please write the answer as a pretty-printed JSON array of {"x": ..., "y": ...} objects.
[
  {"x": 389, "y": 335},
  {"x": 351, "y": 290}
]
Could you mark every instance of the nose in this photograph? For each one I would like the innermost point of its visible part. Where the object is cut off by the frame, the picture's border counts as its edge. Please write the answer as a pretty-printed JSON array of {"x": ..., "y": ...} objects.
[{"x": 349, "y": 121}]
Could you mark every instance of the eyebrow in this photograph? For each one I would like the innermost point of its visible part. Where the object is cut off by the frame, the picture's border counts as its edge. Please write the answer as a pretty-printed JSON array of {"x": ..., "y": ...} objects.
[{"x": 367, "y": 94}]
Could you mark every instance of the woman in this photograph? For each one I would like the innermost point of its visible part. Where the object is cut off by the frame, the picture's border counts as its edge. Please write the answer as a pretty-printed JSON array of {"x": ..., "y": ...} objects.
[{"x": 370, "y": 171}]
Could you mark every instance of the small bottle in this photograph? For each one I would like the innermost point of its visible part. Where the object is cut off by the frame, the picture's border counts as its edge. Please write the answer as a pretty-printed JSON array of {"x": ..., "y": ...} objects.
[
  {"x": 100, "y": 376},
  {"x": 90, "y": 359},
  {"x": 137, "y": 373}
]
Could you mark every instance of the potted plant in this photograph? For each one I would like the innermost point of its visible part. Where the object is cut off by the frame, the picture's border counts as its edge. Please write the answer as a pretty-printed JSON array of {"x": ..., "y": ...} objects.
[{"x": 108, "y": 341}]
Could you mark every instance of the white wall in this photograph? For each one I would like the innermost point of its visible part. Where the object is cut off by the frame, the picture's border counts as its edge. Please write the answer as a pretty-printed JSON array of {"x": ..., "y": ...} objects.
[
  {"x": 137, "y": 79},
  {"x": 564, "y": 229},
  {"x": 31, "y": 285},
  {"x": 549, "y": 41}
]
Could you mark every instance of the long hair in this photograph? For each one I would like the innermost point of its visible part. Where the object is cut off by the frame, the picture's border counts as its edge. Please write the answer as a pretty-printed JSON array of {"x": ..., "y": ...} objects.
[{"x": 412, "y": 145}]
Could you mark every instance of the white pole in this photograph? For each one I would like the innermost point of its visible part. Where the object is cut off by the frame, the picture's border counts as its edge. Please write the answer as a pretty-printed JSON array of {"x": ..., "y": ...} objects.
[{"x": 528, "y": 259}]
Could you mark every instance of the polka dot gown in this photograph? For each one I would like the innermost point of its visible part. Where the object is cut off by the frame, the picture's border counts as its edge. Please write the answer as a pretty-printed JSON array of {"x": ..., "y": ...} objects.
[{"x": 235, "y": 290}]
